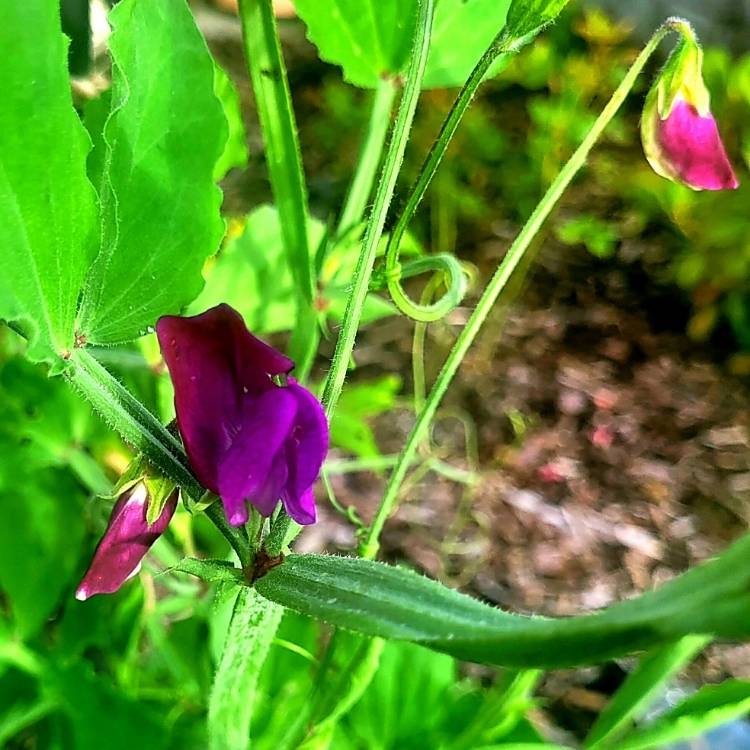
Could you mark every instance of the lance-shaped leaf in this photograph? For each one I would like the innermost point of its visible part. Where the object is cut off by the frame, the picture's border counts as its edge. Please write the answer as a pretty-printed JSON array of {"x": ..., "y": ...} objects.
[
  {"x": 382, "y": 600},
  {"x": 47, "y": 205},
  {"x": 159, "y": 203}
]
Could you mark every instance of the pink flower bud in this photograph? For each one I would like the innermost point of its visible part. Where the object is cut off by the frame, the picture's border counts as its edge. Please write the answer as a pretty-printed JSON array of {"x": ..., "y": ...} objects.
[
  {"x": 125, "y": 542},
  {"x": 680, "y": 138}
]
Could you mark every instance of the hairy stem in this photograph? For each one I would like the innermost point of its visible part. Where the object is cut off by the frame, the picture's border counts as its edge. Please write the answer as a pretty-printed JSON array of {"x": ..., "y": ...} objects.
[
  {"x": 140, "y": 428},
  {"x": 274, "y": 102},
  {"x": 496, "y": 285},
  {"x": 369, "y": 156}
]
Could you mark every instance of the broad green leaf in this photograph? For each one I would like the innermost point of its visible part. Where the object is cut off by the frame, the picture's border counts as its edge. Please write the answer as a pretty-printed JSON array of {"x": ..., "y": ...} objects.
[
  {"x": 461, "y": 32},
  {"x": 369, "y": 39},
  {"x": 235, "y": 152},
  {"x": 641, "y": 687},
  {"x": 47, "y": 205},
  {"x": 252, "y": 628},
  {"x": 377, "y": 599},
  {"x": 252, "y": 274},
  {"x": 40, "y": 543},
  {"x": 710, "y": 707},
  {"x": 159, "y": 204}
]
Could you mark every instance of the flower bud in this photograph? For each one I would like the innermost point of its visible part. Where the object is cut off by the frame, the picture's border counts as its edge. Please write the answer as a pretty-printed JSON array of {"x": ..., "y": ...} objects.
[
  {"x": 125, "y": 542},
  {"x": 680, "y": 138}
]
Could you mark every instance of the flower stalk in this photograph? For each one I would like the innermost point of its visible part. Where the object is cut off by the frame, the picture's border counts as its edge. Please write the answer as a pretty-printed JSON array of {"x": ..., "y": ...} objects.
[{"x": 371, "y": 545}]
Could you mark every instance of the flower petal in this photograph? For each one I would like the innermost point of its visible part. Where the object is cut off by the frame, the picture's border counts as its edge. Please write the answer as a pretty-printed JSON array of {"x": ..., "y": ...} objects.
[
  {"x": 214, "y": 361},
  {"x": 692, "y": 150},
  {"x": 305, "y": 449},
  {"x": 266, "y": 498},
  {"x": 125, "y": 542},
  {"x": 301, "y": 508},
  {"x": 244, "y": 470}
]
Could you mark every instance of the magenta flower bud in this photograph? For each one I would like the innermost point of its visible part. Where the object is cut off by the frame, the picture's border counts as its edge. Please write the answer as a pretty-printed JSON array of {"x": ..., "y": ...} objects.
[
  {"x": 125, "y": 542},
  {"x": 680, "y": 138},
  {"x": 248, "y": 437}
]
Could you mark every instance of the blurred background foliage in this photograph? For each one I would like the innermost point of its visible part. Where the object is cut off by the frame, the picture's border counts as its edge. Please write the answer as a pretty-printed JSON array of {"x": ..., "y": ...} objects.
[{"x": 135, "y": 668}]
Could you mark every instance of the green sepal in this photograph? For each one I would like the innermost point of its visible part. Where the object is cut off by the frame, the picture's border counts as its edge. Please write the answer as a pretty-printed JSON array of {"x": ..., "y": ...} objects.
[
  {"x": 129, "y": 478},
  {"x": 682, "y": 76},
  {"x": 198, "y": 506},
  {"x": 160, "y": 489}
]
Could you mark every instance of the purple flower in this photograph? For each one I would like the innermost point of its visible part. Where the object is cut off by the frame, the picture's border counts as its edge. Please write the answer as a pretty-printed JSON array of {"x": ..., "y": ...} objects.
[
  {"x": 248, "y": 438},
  {"x": 125, "y": 542},
  {"x": 680, "y": 138}
]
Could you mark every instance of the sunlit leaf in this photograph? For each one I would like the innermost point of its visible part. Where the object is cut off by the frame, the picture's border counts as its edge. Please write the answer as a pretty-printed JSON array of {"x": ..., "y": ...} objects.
[
  {"x": 159, "y": 203},
  {"x": 462, "y": 31},
  {"x": 369, "y": 39},
  {"x": 372, "y": 39},
  {"x": 47, "y": 205}
]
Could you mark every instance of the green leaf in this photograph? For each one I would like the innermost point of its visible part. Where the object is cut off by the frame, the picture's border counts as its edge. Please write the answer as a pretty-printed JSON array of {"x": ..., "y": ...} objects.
[
  {"x": 252, "y": 628},
  {"x": 600, "y": 237},
  {"x": 641, "y": 687},
  {"x": 710, "y": 707},
  {"x": 252, "y": 274},
  {"x": 47, "y": 205},
  {"x": 40, "y": 543},
  {"x": 353, "y": 664},
  {"x": 528, "y": 17},
  {"x": 462, "y": 31},
  {"x": 369, "y": 39},
  {"x": 210, "y": 570},
  {"x": 99, "y": 715},
  {"x": 235, "y": 152},
  {"x": 349, "y": 429},
  {"x": 406, "y": 700},
  {"x": 159, "y": 203},
  {"x": 377, "y": 599}
]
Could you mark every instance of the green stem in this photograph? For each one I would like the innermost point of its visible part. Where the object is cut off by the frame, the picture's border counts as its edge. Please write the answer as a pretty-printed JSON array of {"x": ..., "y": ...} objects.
[
  {"x": 140, "y": 428},
  {"x": 274, "y": 103},
  {"x": 456, "y": 287},
  {"x": 369, "y": 156},
  {"x": 386, "y": 185},
  {"x": 375, "y": 224},
  {"x": 494, "y": 288},
  {"x": 239, "y": 543}
]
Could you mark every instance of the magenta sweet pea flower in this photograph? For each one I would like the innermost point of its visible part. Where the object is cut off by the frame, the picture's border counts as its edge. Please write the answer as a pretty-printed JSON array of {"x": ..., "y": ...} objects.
[
  {"x": 680, "y": 137},
  {"x": 125, "y": 542},
  {"x": 251, "y": 434}
]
